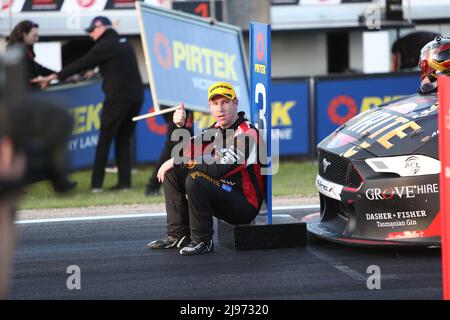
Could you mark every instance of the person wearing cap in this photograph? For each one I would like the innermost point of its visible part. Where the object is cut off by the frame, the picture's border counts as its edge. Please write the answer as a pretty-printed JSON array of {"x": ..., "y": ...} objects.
[
  {"x": 406, "y": 50},
  {"x": 224, "y": 180},
  {"x": 124, "y": 94}
]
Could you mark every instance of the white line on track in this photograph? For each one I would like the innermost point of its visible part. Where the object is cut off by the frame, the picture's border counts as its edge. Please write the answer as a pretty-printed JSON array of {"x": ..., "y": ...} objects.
[
  {"x": 124, "y": 216},
  {"x": 143, "y": 215},
  {"x": 305, "y": 207},
  {"x": 355, "y": 275}
]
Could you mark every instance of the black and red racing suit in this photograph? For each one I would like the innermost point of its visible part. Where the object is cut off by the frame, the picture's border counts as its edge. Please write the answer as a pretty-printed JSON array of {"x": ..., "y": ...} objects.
[{"x": 221, "y": 176}]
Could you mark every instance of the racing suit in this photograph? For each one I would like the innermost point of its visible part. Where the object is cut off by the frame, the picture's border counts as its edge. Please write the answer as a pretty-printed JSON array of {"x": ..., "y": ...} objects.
[{"x": 231, "y": 188}]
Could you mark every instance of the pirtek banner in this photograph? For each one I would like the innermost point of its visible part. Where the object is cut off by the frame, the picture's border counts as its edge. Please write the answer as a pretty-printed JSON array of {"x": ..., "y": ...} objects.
[
  {"x": 85, "y": 105},
  {"x": 444, "y": 156},
  {"x": 186, "y": 54}
]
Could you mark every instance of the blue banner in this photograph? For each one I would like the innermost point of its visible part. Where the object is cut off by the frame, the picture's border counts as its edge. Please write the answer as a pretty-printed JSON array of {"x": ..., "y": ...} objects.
[
  {"x": 290, "y": 115},
  {"x": 337, "y": 100},
  {"x": 340, "y": 99},
  {"x": 186, "y": 54},
  {"x": 85, "y": 104}
]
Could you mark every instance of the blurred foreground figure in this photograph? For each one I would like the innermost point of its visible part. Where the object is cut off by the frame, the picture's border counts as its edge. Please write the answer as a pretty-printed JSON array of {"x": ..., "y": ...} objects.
[
  {"x": 33, "y": 137},
  {"x": 12, "y": 172}
]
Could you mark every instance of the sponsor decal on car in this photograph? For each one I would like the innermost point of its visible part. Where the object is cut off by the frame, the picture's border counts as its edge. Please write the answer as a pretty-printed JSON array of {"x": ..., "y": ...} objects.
[
  {"x": 397, "y": 219},
  {"x": 410, "y": 191},
  {"x": 406, "y": 166},
  {"x": 325, "y": 164},
  {"x": 375, "y": 127},
  {"x": 329, "y": 189}
]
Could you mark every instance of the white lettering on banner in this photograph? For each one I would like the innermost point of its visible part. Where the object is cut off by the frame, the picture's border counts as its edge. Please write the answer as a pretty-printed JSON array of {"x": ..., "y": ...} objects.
[
  {"x": 282, "y": 134},
  {"x": 72, "y": 145},
  {"x": 201, "y": 83},
  {"x": 82, "y": 143},
  {"x": 89, "y": 141}
]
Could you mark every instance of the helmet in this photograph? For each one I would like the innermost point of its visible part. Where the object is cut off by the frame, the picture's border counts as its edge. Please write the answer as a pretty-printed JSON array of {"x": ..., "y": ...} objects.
[{"x": 434, "y": 60}]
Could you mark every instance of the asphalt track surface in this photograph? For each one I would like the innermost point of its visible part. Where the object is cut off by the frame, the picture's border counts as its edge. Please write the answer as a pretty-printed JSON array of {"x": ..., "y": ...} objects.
[{"x": 115, "y": 264}]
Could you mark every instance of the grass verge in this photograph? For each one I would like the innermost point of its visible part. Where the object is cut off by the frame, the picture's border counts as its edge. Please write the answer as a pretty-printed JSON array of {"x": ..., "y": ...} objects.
[{"x": 292, "y": 179}]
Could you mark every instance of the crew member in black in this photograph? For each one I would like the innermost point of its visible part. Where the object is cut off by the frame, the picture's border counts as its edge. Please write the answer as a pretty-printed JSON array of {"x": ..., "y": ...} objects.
[
  {"x": 226, "y": 183},
  {"x": 124, "y": 94}
]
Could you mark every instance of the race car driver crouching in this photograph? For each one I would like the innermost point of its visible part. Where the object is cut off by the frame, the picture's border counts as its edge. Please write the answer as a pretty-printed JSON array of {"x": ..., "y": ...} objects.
[{"x": 220, "y": 174}]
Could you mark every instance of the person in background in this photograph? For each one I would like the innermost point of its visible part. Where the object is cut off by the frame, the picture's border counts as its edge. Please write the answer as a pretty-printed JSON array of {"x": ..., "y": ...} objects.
[
  {"x": 26, "y": 33},
  {"x": 406, "y": 50},
  {"x": 124, "y": 94}
]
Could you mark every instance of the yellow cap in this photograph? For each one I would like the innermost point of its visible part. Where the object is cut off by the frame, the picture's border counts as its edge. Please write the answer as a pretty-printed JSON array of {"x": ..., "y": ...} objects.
[{"x": 223, "y": 89}]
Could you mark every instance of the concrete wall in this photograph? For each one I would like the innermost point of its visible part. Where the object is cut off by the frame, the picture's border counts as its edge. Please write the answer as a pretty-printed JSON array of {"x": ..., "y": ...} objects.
[{"x": 299, "y": 54}]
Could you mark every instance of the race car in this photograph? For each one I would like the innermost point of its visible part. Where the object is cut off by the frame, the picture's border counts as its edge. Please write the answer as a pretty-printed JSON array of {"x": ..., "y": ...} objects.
[{"x": 378, "y": 177}]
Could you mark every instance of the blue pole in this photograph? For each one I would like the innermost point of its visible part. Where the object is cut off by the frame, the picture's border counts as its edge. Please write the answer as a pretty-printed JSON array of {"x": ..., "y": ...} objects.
[{"x": 260, "y": 80}]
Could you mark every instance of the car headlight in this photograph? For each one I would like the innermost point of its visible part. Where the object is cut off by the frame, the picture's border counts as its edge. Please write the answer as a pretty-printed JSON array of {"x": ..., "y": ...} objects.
[{"x": 406, "y": 166}]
